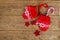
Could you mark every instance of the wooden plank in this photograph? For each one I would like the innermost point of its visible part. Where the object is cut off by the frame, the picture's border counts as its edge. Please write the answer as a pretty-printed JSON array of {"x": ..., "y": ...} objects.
[
  {"x": 17, "y": 23},
  {"x": 24, "y": 34},
  {"x": 54, "y": 23},
  {"x": 13, "y": 9},
  {"x": 11, "y": 1},
  {"x": 50, "y": 35},
  {"x": 12, "y": 24}
]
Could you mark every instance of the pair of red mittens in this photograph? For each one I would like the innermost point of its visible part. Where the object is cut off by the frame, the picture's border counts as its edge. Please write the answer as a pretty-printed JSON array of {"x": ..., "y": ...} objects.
[{"x": 43, "y": 21}]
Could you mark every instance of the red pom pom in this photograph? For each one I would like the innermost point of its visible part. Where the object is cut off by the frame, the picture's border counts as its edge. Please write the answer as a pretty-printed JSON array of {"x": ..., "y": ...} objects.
[
  {"x": 37, "y": 33},
  {"x": 27, "y": 24},
  {"x": 33, "y": 22}
]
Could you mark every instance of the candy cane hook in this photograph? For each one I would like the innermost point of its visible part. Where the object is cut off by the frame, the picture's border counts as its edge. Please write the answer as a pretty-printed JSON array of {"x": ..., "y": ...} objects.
[{"x": 51, "y": 8}]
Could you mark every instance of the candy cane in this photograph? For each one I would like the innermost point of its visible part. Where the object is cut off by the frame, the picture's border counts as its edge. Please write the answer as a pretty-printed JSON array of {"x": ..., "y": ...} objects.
[{"x": 51, "y": 8}]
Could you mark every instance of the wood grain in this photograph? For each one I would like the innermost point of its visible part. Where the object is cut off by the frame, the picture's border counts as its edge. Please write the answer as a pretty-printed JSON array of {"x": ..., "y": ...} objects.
[{"x": 12, "y": 23}]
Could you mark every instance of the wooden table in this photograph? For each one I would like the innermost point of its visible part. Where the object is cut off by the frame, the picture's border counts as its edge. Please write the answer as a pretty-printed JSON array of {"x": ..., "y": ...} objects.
[{"x": 12, "y": 24}]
